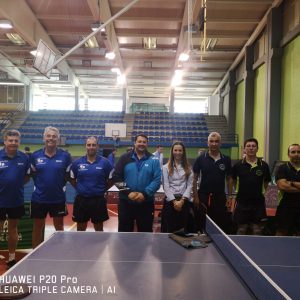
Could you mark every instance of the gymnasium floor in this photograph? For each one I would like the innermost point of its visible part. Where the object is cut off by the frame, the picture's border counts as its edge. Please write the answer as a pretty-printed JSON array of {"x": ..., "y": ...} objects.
[{"x": 110, "y": 225}]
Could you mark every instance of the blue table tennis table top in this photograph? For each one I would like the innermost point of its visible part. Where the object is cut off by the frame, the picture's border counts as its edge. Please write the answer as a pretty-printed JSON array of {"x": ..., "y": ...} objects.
[
  {"x": 278, "y": 257},
  {"x": 90, "y": 265}
]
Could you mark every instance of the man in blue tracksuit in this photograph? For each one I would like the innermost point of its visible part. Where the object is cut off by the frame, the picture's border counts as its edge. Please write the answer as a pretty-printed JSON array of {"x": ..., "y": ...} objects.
[{"x": 138, "y": 175}]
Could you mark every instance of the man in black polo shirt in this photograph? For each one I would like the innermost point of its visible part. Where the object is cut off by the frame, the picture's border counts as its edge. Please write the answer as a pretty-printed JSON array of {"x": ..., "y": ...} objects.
[
  {"x": 211, "y": 170},
  {"x": 250, "y": 177},
  {"x": 288, "y": 182}
]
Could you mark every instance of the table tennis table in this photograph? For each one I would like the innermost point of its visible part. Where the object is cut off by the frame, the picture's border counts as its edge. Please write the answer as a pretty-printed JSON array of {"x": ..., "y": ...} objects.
[{"x": 110, "y": 265}]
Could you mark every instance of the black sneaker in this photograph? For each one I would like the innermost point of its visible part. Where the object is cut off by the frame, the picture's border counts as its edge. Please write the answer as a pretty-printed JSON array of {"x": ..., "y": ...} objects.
[{"x": 10, "y": 263}]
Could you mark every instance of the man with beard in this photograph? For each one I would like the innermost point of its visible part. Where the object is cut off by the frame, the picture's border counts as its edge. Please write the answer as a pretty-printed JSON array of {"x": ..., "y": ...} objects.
[
  {"x": 89, "y": 175},
  {"x": 251, "y": 177},
  {"x": 137, "y": 175},
  {"x": 288, "y": 182}
]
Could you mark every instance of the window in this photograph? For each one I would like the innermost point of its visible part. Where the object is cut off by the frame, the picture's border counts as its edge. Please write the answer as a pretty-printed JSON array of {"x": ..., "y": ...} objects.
[
  {"x": 105, "y": 105},
  {"x": 52, "y": 103},
  {"x": 59, "y": 103},
  {"x": 190, "y": 106}
]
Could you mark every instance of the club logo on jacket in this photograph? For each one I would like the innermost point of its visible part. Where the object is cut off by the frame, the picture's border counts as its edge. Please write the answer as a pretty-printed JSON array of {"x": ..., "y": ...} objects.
[
  {"x": 259, "y": 173},
  {"x": 40, "y": 161},
  {"x": 222, "y": 167},
  {"x": 3, "y": 164}
]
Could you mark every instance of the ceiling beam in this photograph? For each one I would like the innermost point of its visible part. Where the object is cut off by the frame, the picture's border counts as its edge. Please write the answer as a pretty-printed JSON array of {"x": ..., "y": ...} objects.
[
  {"x": 125, "y": 32},
  {"x": 151, "y": 12},
  {"x": 159, "y": 47},
  {"x": 12, "y": 70},
  {"x": 232, "y": 21},
  {"x": 232, "y": 2},
  {"x": 69, "y": 32},
  {"x": 87, "y": 18},
  {"x": 91, "y": 68},
  {"x": 209, "y": 60},
  {"x": 191, "y": 69},
  {"x": 215, "y": 52},
  {"x": 223, "y": 35},
  {"x": 86, "y": 57},
  {"x": 95, "y": 76},
  {"x": 16, "y": 48},
  {"x": 92, "y": 34},
  {"x": 251, "y": 40},
  {"x": 150, "y": 19},
  {"x": 163, "y": 59},
  {"x": 145, "y": 85},
  {"x": 105, "y": 14},
  {"x": 29, "y": 27}
]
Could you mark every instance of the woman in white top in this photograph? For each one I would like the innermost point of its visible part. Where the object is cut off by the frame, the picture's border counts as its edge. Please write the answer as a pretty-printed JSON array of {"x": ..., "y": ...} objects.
[{"x": 177, "y": 183}]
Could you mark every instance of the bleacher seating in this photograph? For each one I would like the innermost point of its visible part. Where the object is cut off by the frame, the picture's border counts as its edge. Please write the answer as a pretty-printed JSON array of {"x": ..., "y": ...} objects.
[
  {"x": 161, "y": 127},
  {"x": 164, "y": 128},
  {"x": 74, "y": 126}
]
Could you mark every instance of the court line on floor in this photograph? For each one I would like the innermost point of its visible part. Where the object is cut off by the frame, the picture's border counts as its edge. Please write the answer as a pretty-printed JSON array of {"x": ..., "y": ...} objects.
[
  {"x": 111, "y": 211},
  {"x": 72, "y": 227}
]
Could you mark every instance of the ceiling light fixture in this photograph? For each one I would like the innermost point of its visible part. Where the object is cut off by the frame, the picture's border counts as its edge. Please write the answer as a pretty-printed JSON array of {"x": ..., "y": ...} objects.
[
  {"x": 91, "y": 43},
  {"x": 110, "y": 55},
  {"x": 6, "y": 24},
  {"x": 15, "y": 38},
  {"x": 96, "y": 25},
  {"x": 184, "y": 56},
  {"x": 211, "y": 43},
  {"x": 116, "y": 70},
  {"x": 177, "y": 78},
  {"x": 33, "y": 52},
  {"x": 150, "y": 42},
  {"x": 121, "y": 79},
  {"x": 12, "y": 83}
]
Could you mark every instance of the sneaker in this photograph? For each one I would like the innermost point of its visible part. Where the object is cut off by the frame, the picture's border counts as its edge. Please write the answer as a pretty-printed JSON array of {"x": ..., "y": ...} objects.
[{"x": 10, "y": 263}]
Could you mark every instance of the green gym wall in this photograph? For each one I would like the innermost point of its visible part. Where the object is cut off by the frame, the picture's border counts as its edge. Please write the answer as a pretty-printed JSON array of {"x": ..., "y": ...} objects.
[
  {"x": 290, "y": 97},
  {"x": 240, "y": 108},
  {"x": 259, "y": 109}
]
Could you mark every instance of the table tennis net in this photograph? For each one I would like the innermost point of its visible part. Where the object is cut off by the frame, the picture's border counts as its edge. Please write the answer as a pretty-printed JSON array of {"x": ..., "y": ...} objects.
[{"x": 260, "y": 284}]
